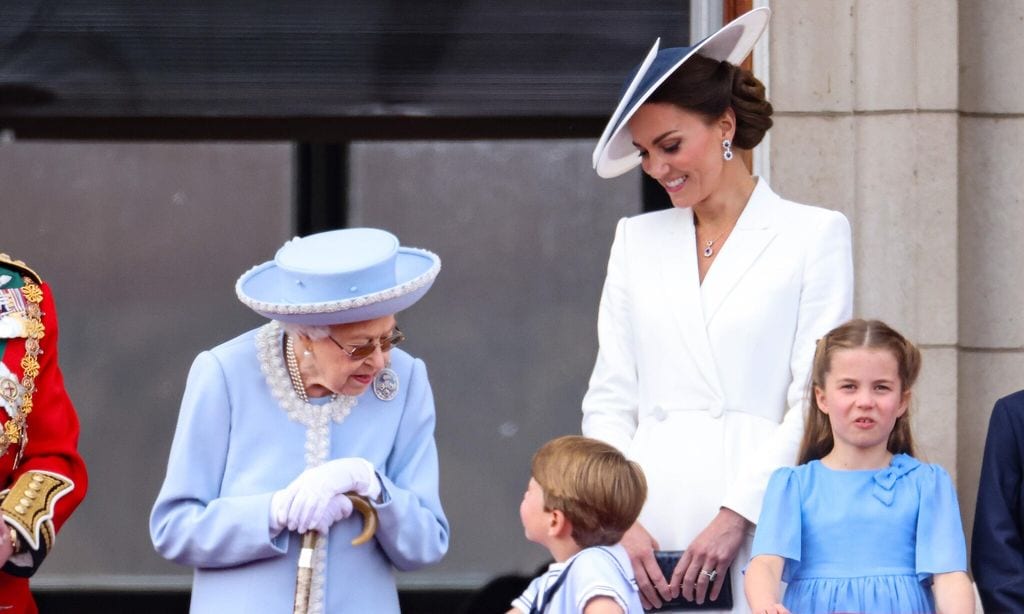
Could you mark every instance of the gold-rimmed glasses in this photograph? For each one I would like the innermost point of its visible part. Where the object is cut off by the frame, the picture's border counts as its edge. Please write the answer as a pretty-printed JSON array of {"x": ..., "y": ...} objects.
[{"x": 365, "y": 350}]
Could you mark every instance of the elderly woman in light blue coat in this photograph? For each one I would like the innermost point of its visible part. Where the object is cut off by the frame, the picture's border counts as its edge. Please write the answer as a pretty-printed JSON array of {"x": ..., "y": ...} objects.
[{"x": 280, "y": 424}]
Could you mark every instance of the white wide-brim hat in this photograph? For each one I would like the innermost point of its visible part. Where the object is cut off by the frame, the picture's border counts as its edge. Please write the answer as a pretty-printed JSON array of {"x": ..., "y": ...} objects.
[
  {"x": 338, "y": 277},
  {"x": 615, "y": 153}
]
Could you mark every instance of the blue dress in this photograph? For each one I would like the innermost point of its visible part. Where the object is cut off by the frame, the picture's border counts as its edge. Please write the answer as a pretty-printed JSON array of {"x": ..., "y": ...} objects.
[{"x": 863, "y": 541}]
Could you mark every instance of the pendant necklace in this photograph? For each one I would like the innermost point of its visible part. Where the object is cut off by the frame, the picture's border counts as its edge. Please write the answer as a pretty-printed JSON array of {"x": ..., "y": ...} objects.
[{"x": 709, "y": 250}]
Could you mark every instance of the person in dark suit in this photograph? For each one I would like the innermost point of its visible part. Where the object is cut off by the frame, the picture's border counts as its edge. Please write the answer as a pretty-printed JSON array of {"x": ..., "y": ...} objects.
[{"x": 997, "y": 551}]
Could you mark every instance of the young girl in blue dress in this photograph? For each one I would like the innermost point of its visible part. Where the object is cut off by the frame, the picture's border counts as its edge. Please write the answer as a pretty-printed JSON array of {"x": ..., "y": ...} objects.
[{"x": 860, "y": 525}]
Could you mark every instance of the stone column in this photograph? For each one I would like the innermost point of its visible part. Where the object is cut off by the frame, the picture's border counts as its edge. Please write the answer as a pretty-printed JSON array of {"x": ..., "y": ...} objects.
[
  {"x": 991, "y": 213},
  {"x": 865, "y": 93}
]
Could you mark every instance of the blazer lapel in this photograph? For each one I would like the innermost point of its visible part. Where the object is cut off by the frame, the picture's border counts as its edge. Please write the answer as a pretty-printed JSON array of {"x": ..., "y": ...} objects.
[
  {"x": 748, "y": 240},
  {"x": 679, "y": 278}
]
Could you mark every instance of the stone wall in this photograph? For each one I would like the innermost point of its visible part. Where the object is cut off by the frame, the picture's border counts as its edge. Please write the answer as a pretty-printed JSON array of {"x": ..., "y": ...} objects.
[{"x": 901, "y": 115}]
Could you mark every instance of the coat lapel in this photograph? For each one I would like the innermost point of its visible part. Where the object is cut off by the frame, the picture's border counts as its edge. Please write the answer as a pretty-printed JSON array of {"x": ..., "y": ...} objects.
[
  {"x": 679, "y": 278},
  {"x": 753, "y": 233}
]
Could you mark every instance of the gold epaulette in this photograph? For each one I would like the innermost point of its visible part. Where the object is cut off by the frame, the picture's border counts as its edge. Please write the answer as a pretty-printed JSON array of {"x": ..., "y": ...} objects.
[{"x": 22, "y": 268}]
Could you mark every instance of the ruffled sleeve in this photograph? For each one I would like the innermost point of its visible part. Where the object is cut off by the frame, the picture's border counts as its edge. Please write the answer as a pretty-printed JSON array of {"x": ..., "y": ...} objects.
[
  {"x": 941, "y": 547},
  {"x": 781, "y": 522}
]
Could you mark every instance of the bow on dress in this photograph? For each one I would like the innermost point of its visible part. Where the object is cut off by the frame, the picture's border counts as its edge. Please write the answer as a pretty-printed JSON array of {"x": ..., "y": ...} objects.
[{"x": 885, "y": 480}]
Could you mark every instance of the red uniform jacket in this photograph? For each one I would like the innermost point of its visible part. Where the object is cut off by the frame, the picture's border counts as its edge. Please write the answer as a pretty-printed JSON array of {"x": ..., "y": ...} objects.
[{"x": 42, "y": 477}]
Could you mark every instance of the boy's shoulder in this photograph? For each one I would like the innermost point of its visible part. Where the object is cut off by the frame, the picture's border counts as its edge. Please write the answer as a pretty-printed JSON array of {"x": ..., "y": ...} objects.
[
  {"x": 598, "y": 571},
  {"x": 603, "y": 571},
  {"x": 607, "y": 565},
  {"x": 604, "y": 556}
]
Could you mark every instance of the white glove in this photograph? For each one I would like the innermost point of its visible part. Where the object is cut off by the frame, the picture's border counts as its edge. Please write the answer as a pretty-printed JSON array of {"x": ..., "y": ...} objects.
[
  {"x": 314, "y": 490},
  {"x": 279, "y": 504},
  {"x": 338, "y": 508}
]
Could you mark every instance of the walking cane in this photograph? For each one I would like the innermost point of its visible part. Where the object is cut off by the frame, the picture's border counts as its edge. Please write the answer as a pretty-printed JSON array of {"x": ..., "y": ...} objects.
[{"x": 304, "y": 578}]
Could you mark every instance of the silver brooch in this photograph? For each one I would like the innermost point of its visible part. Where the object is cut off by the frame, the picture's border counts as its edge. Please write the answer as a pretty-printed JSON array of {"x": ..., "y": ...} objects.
[{"x": 385, "y": 384}]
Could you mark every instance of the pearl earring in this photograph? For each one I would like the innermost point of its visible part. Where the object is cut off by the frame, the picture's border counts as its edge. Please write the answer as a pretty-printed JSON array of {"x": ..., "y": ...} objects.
[{"x": 727, "y": 150}]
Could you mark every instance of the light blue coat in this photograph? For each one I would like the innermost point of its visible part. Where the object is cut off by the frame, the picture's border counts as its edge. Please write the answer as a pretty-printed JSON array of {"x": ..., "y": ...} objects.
[{"x": 234, "y": 446}]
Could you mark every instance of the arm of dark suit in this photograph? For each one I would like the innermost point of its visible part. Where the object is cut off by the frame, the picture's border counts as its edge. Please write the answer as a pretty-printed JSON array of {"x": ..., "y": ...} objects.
[{"x": 997, "y": 551}]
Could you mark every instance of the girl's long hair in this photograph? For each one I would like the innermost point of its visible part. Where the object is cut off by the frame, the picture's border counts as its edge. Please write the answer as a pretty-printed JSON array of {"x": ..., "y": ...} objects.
[{"x": 870, "y": 334}]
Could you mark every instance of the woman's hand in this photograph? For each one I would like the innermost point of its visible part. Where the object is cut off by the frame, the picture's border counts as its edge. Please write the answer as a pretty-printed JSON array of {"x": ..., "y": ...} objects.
[
  {"x": 777, "y": 608},
  {"x": 652, "y": 583},
  {"x": 312, "y": 500},
  {"x": 711, "y": 552}
]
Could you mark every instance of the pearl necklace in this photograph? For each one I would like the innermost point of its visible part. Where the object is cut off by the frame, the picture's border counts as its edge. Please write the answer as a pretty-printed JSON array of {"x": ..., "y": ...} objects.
[
  {"x": 293, "y": 369},
  {"x": 298, "y": 408},
  {"x": 281, "y": 370}
]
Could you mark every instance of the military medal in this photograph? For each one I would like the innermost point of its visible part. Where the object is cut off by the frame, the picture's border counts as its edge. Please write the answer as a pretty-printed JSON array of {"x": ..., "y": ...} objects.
[
  {"x": 23, "y": 310},
  {"x": 385, "y": 384},
  {"x": 8, "y": 389}
]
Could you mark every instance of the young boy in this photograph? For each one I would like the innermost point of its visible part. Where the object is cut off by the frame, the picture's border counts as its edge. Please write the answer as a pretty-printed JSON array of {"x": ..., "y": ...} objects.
[{"x": 582, "y": 497}]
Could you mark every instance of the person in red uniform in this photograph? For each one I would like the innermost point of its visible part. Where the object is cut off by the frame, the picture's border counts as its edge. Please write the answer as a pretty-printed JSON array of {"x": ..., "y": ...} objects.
[{"x": 42, "y": 476}]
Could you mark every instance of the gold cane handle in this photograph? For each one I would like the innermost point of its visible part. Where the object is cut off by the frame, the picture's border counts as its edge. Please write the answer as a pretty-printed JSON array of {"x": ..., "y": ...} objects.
[
  {"x": 369, "y": 515},
  {"x": 304, "y": 576}
]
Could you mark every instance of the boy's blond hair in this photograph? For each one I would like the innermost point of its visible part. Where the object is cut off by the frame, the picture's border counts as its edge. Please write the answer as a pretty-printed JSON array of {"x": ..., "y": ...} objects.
[{"x": 593, "y": 484}]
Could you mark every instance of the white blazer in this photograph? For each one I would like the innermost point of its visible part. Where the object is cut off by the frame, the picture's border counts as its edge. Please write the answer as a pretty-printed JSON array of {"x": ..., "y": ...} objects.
[{"x": 704, "y": 384}]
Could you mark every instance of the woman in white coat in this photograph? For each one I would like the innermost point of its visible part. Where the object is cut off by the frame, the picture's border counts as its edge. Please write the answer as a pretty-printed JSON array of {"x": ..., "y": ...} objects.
[{"x": 709, "y": 314}]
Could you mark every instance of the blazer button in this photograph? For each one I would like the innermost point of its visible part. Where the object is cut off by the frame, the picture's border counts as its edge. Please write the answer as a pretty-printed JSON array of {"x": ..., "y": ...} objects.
[
  {"x": 659, "y": 413},
  {"x": 716, "y": 411}
]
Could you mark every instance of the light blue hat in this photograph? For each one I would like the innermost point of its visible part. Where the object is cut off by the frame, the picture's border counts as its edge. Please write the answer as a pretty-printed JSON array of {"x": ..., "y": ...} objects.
[
  {"x": 615, "y": 153},
  {"x": 337, "y": 277}
]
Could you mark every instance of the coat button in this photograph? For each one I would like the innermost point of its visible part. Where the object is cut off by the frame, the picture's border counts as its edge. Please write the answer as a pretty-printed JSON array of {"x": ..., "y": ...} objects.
[
  {"x": 659, "y": 413},
  {"x": 716, "y": 411}
]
